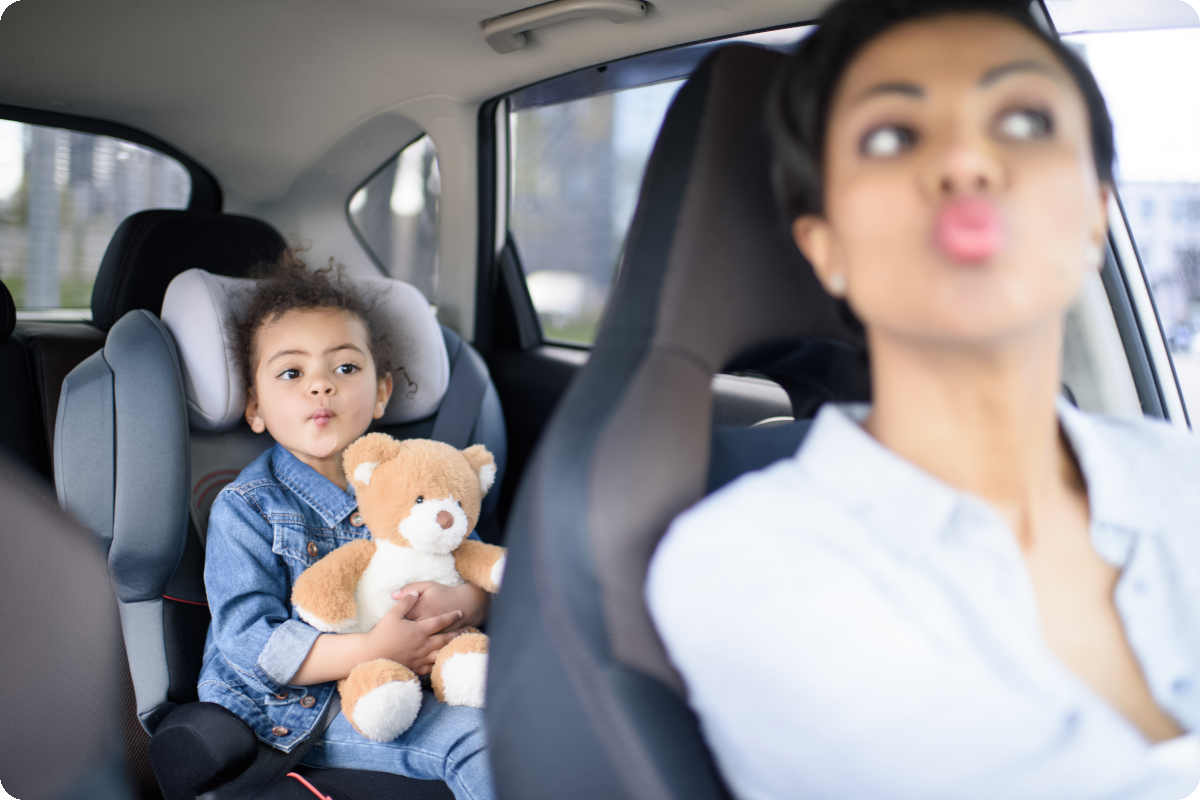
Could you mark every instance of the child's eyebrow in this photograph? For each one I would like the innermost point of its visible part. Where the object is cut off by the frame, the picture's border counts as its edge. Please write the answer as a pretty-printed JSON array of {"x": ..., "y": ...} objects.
[{"x": 334, "y": 349}]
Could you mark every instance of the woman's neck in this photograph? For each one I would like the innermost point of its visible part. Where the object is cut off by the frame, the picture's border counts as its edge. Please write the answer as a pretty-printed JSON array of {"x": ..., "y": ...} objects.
[{"x": 981, "y": 421}]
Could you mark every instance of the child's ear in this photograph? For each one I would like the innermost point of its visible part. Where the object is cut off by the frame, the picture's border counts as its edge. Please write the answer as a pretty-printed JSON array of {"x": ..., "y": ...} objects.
[
  {"x": 253, "y": 419},
  {"x": 383, "y": 394}
]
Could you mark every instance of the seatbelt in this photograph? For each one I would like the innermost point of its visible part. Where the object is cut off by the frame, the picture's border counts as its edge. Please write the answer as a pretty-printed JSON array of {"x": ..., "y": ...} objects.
[{"x": 460, "y": 406}]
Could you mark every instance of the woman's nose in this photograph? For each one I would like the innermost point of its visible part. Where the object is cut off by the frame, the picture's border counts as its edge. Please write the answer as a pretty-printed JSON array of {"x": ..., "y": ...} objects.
[{"x": 964, "y": 167}]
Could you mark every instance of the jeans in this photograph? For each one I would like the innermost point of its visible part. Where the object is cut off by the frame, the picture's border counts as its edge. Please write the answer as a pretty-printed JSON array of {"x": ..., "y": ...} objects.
[{"x": 445, "y": 743}]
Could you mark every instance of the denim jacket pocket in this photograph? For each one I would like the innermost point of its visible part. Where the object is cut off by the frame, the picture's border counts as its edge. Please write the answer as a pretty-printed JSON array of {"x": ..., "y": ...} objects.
[{"x": 302, "y": 545}]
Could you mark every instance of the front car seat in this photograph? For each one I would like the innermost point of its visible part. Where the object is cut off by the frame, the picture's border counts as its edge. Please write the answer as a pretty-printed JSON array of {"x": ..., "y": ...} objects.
[
  {"x": 579, "y": 681},
  {"x": 161, "y": 404}
]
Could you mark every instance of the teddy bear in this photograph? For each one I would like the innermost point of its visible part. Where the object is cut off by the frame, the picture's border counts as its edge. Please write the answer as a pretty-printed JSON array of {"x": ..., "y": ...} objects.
[{"x": 419, "y": 499}]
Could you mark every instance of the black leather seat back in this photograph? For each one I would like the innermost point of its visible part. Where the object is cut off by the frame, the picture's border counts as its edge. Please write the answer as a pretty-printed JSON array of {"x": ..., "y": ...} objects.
[{"x": 709, "y": 278}]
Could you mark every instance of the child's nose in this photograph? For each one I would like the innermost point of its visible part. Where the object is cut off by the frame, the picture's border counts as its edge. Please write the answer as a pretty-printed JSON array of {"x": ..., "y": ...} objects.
[{"x": 320, "y": 387}]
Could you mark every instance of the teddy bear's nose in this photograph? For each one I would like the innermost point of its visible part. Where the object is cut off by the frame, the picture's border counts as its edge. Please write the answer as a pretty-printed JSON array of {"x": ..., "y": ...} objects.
[{"x": 445, "y": 519}]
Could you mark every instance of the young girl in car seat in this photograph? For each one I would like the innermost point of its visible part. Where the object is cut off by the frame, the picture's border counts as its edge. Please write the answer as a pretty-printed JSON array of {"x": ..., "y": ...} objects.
[
  {"x": 315, "y": 374},
  {"x": 972, "y": 588}
]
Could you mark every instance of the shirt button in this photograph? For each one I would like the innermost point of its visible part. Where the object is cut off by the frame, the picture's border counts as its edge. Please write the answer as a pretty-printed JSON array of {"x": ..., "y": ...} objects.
[
  {"x": 313, "y": 550},
  {"x": 308, "y": 701},
  {"x": 279, "y": 730},
  {"x": 356, "y": 520}
]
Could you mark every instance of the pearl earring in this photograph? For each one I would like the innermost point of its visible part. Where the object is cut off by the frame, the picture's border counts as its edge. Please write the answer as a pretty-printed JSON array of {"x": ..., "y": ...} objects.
[{"x": 837, "y": 284}]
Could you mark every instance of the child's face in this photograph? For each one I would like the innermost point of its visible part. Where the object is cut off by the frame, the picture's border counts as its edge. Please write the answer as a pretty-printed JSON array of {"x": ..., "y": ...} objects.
[
  {"x": 962, "y": 204},
  {"x": 315, "y": 385}
]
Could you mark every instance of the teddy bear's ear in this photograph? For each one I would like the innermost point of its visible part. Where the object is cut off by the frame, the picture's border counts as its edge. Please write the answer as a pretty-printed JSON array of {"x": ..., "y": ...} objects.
[
  {"x": 483, "y": 463},
  {"x": 365, "y": 454}
]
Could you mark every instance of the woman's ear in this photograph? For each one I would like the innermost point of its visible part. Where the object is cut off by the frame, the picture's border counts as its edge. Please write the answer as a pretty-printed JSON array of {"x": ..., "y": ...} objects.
[
  {"x": 253, "y": 419},
  {"x": 383, "y": 394},
  {"x": 814, "y": 239}
]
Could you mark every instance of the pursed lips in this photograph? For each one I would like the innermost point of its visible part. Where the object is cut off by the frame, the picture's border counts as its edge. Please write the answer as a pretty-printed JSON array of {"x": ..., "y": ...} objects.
[{"x": 321, "y": 416}]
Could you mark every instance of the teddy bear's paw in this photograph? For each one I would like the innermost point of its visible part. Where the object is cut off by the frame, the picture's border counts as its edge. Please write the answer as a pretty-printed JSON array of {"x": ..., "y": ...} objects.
[
  {"x": 325, "y": 626},
  {"x": 387, "y": 711},
  {"x": 460, "y": 671},
  {"x": 498, "y": 572}
]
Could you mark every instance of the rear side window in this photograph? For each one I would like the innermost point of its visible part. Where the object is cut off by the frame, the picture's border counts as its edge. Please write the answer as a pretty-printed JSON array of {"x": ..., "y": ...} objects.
[
  {"x": 578, "y": 145},
  {"x": 395, "y": 215},
  {"x": 62, "y": 195}
]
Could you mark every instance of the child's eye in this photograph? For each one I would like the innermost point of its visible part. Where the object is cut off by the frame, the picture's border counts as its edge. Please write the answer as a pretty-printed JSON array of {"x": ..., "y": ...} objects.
[
  {"x": 1025, "y": 124},
  {"x": 347, "y": 369},
  {"x": 289, "y": 374},
  {"x": 887, "y": 141}
]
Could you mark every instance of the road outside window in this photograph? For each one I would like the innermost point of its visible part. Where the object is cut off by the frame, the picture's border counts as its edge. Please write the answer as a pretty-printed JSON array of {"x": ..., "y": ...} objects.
[
  {"x": 62, "y": 195},
  {"x": 1148, "y": 79}
]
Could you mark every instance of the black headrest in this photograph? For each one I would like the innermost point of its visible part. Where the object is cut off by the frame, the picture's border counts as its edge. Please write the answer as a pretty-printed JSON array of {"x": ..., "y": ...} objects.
[
  {"x": 150, "y": 248},
  {"x": 8, "y": 313}
]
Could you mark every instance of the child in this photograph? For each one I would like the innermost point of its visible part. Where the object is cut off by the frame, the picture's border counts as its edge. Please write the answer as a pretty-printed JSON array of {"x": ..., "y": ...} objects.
[{"x": 316, "y": 376}]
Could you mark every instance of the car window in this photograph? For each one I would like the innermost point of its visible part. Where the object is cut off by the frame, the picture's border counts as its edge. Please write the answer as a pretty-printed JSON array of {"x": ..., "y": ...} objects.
[
  {"x": 1146, "y": 77},
  {"x": 578, "y": 146},
  {"x": 395, "y": 215},
  {"x": 62, "y": 195}
]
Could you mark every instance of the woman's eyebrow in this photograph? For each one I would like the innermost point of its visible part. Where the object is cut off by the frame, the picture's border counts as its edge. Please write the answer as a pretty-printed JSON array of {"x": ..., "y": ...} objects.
[
  {"x": 891, "y": 87},
  {"x": 1024, "y": 65}
]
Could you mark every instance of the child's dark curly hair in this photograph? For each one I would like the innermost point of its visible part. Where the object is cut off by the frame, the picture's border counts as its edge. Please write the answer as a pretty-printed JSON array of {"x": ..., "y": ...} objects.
[{"x": 289, "y": 285}]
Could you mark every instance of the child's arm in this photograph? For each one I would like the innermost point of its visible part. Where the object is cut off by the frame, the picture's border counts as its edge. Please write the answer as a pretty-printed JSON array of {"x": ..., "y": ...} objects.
[
  {"x": 412, "y": 643},
  {"x": 437, "y": 598}
]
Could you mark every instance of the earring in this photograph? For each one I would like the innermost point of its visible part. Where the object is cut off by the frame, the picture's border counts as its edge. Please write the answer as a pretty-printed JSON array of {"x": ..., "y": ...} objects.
[{"x": 837, "y": 284}]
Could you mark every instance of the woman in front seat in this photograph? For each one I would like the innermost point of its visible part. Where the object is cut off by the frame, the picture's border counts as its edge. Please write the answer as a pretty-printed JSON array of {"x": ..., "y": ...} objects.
[{"x": 970, "y": 588}]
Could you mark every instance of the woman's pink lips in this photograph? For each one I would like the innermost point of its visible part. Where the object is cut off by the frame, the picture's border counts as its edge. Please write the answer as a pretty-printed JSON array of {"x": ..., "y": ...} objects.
[{"x": 968, "y": 230}]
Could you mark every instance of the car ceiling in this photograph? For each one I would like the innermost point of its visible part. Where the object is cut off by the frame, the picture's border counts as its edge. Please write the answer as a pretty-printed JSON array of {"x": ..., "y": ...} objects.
[{"x": 258, "y": 91}]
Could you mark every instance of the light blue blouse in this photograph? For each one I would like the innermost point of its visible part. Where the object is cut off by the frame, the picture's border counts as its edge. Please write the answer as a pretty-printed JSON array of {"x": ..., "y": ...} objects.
[{"x": 849, "y": 626}]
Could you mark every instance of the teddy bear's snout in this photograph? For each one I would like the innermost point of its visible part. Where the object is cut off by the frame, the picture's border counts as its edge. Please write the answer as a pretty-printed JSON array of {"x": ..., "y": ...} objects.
[{"x": 445, "y": 519}]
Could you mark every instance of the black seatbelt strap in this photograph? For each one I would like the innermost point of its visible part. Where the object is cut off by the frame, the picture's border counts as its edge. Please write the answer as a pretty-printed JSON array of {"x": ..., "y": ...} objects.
[{"x": 460, "y": 406}]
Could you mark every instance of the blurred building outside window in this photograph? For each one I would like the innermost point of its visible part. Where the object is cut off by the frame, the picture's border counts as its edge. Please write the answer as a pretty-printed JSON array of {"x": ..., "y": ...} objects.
[{"x": 62, "y": 195}]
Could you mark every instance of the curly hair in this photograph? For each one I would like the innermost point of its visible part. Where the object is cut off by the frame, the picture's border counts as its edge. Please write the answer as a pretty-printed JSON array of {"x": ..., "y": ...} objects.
[
  {"x": 289, "y": 285},
  {"x": 799, "y": 103}
]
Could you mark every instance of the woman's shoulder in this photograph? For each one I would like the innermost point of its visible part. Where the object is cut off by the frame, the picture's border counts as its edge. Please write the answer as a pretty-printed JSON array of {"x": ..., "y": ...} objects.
[{"x": 1155, "y": 444}]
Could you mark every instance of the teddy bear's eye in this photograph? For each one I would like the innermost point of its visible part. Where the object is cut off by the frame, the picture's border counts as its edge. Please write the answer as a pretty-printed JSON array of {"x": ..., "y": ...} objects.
[
  {"x": 420, "y": 498},
  {"x": 459, "y": 503}
]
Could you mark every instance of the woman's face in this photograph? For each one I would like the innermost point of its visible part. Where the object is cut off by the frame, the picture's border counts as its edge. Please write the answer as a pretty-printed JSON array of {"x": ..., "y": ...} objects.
[{"x": 962, "y": 205}]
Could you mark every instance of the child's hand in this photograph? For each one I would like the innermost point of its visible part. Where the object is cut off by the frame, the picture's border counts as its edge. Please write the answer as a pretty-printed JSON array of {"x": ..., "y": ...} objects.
[
  {"x": 437, "y": 598},
  {"x": 411, "y": 642}
]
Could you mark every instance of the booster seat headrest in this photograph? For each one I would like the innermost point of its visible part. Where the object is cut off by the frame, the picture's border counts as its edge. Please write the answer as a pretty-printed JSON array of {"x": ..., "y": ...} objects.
[{"x": 199, "y": 308}]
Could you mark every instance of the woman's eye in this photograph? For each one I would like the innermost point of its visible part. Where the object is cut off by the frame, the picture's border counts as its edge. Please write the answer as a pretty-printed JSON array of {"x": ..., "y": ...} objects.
[
  {"x": 347, "y": 369},
  {"x": 1024, "y": 124},
  {"x": 289, "y": 374},
  {"x": 887, "y": 141}
]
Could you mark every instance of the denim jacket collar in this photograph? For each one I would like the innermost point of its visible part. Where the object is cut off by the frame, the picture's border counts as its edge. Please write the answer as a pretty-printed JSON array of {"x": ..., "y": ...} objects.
[{"x": 332, "y": 503}]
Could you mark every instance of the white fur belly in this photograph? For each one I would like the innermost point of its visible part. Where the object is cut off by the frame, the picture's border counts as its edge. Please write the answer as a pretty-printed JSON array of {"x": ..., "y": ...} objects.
[{"x": 393, "y": 567}]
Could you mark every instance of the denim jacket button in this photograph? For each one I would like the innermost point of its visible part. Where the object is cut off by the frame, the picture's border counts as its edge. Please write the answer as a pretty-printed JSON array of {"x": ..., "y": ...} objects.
[
  {"x": 308, "y": 701},
  {"x": 313, "y": 550},
  {"x": 279, "y": 730},
  {"x": 356, "y": 519}
]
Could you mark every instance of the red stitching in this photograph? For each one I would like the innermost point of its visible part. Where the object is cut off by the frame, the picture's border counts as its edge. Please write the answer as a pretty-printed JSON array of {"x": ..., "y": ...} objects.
[
  {"x": 309, "y": 786},
  {"x": 189, "y": 602}
]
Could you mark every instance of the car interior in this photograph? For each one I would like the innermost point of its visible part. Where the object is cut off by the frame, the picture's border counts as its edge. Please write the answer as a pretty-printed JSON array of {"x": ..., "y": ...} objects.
[{"x": 565, "y": 209}]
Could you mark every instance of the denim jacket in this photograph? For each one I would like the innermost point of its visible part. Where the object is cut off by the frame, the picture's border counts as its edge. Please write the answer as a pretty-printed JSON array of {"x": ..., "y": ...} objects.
[{"x": 276, "y": 518}]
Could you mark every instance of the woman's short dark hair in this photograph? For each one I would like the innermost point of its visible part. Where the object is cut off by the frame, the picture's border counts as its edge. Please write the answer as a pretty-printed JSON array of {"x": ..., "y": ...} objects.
[
  {"x": 289, "y": 285},
  {"x": 799, "y": 103}
]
